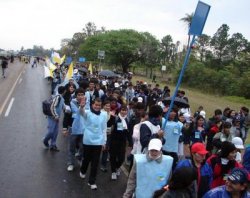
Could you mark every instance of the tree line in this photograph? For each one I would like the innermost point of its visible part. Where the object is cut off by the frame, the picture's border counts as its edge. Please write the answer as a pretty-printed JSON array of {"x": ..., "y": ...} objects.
[{"x": 219, "y": 63}]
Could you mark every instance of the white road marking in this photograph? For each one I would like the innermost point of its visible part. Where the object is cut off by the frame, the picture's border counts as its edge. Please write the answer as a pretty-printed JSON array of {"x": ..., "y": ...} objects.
[
  {"x": 10, "y": 92},
  {"x": 9, "y": 107},
  {"x": 20, "y": 81}
]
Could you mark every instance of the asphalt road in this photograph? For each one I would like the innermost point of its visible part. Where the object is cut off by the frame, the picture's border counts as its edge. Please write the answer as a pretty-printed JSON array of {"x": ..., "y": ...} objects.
[{"x": 27, "y": 169}]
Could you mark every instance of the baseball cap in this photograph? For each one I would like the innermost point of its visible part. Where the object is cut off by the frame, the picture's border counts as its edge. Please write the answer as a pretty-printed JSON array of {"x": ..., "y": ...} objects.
[
  {"x": 140, "y": 99},
  {"x": 238, "y": 143},
  {"x": 203, "y": 114},
  {"x": 75, "y": 71},
  {"x": 116, "y": 85},
  {"x": 238, "y": 175},
  {"x": 155, "y": 144},
  {"x": 199, "y": 148}
]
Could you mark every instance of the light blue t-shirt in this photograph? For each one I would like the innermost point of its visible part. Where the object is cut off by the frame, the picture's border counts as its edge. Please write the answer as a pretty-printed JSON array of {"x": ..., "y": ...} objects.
[{"x": 172, "y": 132}]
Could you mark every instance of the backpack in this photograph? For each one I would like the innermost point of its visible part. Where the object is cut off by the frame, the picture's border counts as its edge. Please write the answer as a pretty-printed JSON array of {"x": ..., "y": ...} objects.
[
  {"x": 46, "y": 105},
  {"x": 137, "y": 147}
]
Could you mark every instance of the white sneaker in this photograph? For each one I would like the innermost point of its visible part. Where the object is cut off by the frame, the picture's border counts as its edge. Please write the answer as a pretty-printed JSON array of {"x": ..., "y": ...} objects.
[
  {"x": 70, "y": 168},
  {"x": 82, "y": 175},
  {"x": 118, "y": 172},
  {"x": 113, "y": 176},
  {"x": 93, "y": 186}
]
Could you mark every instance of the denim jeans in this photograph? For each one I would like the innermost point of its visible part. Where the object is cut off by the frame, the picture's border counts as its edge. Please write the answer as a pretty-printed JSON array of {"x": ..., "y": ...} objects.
[
  {"x": 52, "y": 131},
  {"x": 75, "y": 141}
]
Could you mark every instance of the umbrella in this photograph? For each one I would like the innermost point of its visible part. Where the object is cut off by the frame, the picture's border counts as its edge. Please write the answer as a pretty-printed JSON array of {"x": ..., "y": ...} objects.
[
  {"x": 107, "y": 73},
  {"x": 179, "y": 102},
  {"x": 83, "y": 70}
]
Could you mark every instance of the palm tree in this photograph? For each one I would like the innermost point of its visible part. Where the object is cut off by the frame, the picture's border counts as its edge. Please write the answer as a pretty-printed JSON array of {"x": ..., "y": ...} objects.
[{"x": 187, "y": 20}]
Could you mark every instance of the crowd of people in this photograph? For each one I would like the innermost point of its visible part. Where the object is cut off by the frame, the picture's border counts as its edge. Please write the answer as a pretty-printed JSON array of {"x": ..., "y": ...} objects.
[{"x": 116, "y": 120}]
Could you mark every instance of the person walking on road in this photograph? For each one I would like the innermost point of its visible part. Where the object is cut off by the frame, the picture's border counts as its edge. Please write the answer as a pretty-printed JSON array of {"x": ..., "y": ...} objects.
[
  {"x": 4, "y": 66},
  {"x": 94, "y": 139},
  {"x": 53, "y": 121},
  {"x": 76, "y": 132},
  {"x": 235, "y": 186},
  {"x": 150, "y": 171}
]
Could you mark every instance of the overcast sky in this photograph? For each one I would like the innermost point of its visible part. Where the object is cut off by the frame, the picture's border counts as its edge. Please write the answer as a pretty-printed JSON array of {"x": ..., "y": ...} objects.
[{"x": 46, "y": 22}]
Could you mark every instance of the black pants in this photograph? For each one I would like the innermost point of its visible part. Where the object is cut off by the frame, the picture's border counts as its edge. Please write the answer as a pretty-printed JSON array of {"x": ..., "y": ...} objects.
[
  {"x": 173, "y": 155},
  {"x": 117, "y": 154},
  {"x": 91, "y": 154}
]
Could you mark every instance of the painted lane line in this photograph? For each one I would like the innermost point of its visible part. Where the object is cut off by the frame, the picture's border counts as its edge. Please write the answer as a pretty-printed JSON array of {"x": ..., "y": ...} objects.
[
  {"x": 20, "y": 81},
  {"x": 9, "y": 107},
  {"x": 10, "y": 92}
]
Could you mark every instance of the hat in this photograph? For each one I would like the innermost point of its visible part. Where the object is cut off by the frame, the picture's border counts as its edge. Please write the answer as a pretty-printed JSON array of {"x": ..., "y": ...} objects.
[
  {"x": 238, "y": 143},
  {"x": 199, "y": 148},
  {"x": 155, "y": 144},
  {"x": 116, "y": 85},
  {"x": 104, "y": 83},
  {"x": 75, "y": 71},
  {"x": 140, "y": 99},
  {"x": 203, "y": 114},
  {"x": 238, "y": 175},
  {"x": 226, "y": 148}
]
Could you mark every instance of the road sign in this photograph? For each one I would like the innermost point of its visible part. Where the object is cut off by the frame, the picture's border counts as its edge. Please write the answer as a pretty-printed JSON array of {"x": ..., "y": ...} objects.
[
  {"x": 82, "y": 59},
  {"x": 199, "y": 18},
  {"x": 101, "y": 54}
]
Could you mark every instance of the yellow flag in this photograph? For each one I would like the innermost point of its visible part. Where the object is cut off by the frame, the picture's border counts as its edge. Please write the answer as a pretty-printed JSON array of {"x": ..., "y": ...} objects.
[
  {"x": 70, "y": 71},
  {"x": 90, "y": 68},
  {"x": 52, "y": 66},
  {"x": 57, "y": 60},
  {"x": 51, "y": 73},
  {"x": 62, "y": 59}
]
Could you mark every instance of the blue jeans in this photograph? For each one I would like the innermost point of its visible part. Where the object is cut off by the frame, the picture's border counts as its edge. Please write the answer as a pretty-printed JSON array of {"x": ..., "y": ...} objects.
[
  {"x": 74, "y": 141},
  {"x": 52, "y": 131}
]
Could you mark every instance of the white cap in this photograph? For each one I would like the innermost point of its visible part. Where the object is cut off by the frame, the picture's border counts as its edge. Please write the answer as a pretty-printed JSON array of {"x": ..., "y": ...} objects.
[
  {"x": 75, "y": 71},
  {"x": 203, "y": 114},
  {"x": 238, "y": 143},
  {"x": 155, "y": 144},
  {"x": 104, "y": 83},
  {"x": 117, "y": 85},
  {"x": 140, "y": 99}
]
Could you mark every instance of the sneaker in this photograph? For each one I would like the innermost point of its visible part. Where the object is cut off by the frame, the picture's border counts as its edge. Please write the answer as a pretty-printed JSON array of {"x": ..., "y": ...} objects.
[
  {"x": 77, "y": 154},
  {"x": 70, "y": 168},
  {"x": 118, "y": 172},
  {"x": 93, "y": 186},
  {"x": 46, "y": 144},
  {"x": 103, "y": 169},
  {"x": 82, "y": 175},
  {"x": 54, "y": 148},
  {"x": 113, "y": 176}
]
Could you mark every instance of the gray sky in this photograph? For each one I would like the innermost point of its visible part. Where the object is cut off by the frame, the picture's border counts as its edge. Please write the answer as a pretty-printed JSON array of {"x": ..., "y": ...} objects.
[{"x": 46, "y": 22}]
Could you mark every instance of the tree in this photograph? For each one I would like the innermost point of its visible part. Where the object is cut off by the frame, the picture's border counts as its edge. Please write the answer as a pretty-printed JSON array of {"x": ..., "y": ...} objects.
[
  {"x": 149, "y": 51},
  {"x": 202, "y": 46},
  {"x": 187, "y": 20},
  {"x": 90, "y": 29},
  {"x": 167, "y": 45},
  {"x": 220, "y": 42},
  {"x": 121, "y": 47},
  {"x": 236, "y": 44}
]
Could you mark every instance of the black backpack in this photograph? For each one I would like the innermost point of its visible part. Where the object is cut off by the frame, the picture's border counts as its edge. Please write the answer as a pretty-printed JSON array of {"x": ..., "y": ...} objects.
[{"x": 46, "y": 105}]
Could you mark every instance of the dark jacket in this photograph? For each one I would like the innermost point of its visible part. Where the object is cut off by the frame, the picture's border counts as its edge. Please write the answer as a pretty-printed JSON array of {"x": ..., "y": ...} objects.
[
  {"x": 204, "y": 175},
  {"x": 4, "y": 64}
]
